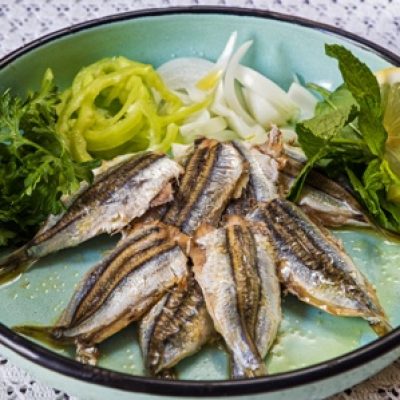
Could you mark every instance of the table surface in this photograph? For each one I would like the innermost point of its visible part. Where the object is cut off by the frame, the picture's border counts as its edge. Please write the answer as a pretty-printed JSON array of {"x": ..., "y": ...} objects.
[{"x": 24, "y": 20}]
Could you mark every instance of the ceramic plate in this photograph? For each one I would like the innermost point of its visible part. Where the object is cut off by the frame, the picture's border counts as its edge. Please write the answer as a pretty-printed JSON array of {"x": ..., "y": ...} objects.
[{"x": 312, "y": 346}]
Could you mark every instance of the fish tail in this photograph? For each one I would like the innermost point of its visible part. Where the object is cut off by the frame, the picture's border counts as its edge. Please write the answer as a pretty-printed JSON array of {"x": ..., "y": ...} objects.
[
  {"x": 49, "y": 335},
  {"x": 14, "y": 264},
  {"x": 381, "y": 327},
  {"x": 239, "y": 371},
  {"x": 168, "y": 373}
]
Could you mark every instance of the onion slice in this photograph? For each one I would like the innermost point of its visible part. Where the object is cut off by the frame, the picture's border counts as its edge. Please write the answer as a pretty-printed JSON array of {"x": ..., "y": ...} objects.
[
  {"x": 304, "y": 100},
  {"x": 203, "y": 128},
  {"x": 266, "y": 88},
  {"x": 262, "y": 110},
  {"x": 229, "y": 84}
]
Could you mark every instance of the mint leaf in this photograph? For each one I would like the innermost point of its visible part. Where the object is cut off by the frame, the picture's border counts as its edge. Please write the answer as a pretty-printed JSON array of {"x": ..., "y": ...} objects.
[
  {"x": 298, "y": 184},
  {"x": 371, "y": 189},
  {"x": 332, "y": 115},
  {"x": 364, "y": 87},
  {"x": 320, "y": 136},
  {"x": 339, "y": 99}
]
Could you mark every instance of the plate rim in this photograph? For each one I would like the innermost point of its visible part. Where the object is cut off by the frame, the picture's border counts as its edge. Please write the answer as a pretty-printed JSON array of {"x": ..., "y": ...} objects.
[{"x": 180, "y": 388}]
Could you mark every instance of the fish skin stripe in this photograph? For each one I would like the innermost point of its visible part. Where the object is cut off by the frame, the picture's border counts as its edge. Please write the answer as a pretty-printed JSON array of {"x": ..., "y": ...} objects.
[
  {"x": 183, "y": 210},
  {"x": 284, "y": 233},
  {"x": 237, "y": 239},
  {"x": 324, "y": 184},
  {"x": 201, "y": 184},
  {"x": 124, "y": 318},
  {"x": 129, "y": 259},
  {"x": 154, "y": 349},
  {"x": 192, "y": 171},
  {"x": 98, "y": 193},
  {"x": 99, "y": 270},
  {"x": 190, "y": 299}
]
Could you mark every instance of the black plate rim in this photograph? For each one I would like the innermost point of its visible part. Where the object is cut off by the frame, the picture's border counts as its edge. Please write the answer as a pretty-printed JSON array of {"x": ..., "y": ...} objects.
[{"x": 117, "y": 380}]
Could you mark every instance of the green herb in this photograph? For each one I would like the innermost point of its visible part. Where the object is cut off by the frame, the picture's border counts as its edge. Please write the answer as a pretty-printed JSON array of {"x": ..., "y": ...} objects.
[
  {"x": 347, "y": 135},
  {"x": 35, "y": 167},
  {"x": 364, "y": 87}
]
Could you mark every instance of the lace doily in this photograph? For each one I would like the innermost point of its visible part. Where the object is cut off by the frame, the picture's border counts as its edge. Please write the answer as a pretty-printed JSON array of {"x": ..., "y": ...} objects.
[{"x": 24, "y": 20}]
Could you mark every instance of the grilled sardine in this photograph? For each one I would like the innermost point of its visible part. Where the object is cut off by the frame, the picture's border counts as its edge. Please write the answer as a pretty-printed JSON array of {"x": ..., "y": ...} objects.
[
  {"x": 235, "y": 268},
  {"x": 120, "y": 289},
  {"x": 322, "y": 199},
  {"x": 263, "y": 177},
  {"x": 175, "y": 328},
  {"x": 118, "y": 195},
  {"x": 314, "y": 267},
  {"x": 212, "y": 175}
]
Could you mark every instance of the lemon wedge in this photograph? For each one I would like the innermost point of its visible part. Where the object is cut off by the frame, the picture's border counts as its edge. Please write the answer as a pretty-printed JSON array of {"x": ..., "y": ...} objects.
[{"x": 389, "y": 81}]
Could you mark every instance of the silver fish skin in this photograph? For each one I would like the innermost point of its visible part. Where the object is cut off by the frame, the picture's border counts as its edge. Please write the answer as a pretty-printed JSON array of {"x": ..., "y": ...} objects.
[
  {"x": 263, "y": 174},
  {"x": 235, "y": 268},
  {"x": 324, "y": 200},
  {"x": 118, "y": 195},
  {"x": 263, "y": 171},
  {"x": 120, "y": 289},
  {"x": 212, "y": 175},
  {"x": 314, "y": 267},
  {"x": 175, "y": 328}
]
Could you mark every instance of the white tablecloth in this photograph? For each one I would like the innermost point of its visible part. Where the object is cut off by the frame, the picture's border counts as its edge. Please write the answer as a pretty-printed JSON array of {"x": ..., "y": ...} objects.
[{"x": 24, "y": 20}]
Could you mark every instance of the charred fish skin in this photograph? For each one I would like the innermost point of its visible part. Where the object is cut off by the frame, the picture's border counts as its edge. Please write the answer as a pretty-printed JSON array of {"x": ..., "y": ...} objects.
[
  {"x": 315, "y": 268},
  {"x": 210, "y": 180},
  {"x": 117, "y": 196},
  {"x": 175, "y": 328},
  {"x": 121, "y": 288},
  {"x": 324, "y": 200},
  {"x": 235, "y": 267}
]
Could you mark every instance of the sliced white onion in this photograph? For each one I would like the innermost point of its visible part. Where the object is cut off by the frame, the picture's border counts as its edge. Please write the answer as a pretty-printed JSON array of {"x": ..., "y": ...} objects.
[
  {"x": 224, "y": 136},
  {"x": 201, "y": 116},
  {"x": 304, "y": 100},
  {"x": 181, "y": 73},
  {"x": 253, "y": 133},
  {"x": 203, "y": 128},
  {"x": 212, "y": 78},
  {"x": 267, "y": 89},
  {"x": 226, "y": 54},
  {"x": 229, "y": 84},
  {"x": 262, "y": 110}
]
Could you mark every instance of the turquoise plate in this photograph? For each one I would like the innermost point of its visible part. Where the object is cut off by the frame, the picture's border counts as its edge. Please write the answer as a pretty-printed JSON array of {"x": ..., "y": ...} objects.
[{"x": 316, "y": 354}]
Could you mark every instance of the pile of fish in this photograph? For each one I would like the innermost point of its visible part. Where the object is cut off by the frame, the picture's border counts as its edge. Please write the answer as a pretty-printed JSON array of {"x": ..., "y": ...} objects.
[{"x": 204, "y": 252}]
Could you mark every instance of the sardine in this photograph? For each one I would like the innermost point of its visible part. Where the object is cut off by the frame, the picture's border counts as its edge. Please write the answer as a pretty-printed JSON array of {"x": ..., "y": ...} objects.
[
  {"x": 118, "y": 195},
  {"x": 120, "y": 289},
  {"x": 235, "y": 268},
  {"x": 175, "y": 328},
  {"x": 314, "y": 266},
  {"x": 322, "y": 199},
  {"x": 263, "y": 178},
  {"x": 212, "y": 175}
]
